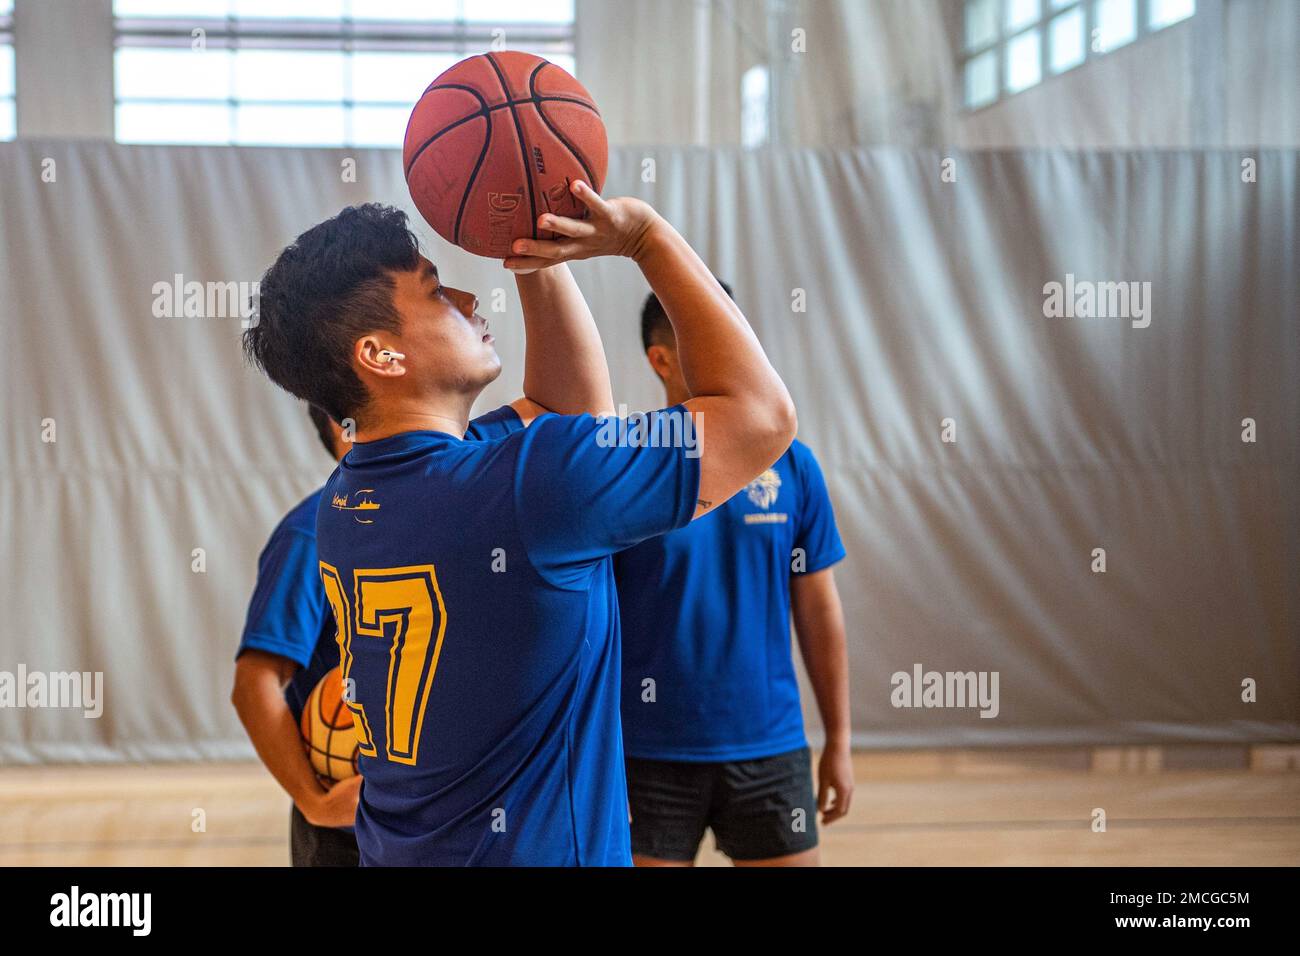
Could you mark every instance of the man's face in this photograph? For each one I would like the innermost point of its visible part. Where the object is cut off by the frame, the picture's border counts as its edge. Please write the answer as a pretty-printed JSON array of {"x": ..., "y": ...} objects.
[{"x": 446, "y": 342}]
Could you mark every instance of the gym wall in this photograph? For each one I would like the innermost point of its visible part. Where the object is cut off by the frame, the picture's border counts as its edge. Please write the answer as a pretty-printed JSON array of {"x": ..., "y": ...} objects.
[{"x": 924, "y": 303}]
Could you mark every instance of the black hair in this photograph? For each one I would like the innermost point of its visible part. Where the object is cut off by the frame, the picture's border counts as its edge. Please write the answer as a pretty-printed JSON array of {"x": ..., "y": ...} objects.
[
  {"x": 326, "y": 290},
  {"x": 323, "y": 430},
  {"x": 655, "y": 327}
]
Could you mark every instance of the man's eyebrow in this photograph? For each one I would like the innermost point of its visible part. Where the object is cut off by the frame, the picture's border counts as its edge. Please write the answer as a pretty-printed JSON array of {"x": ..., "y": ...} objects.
[{"x": 429, "y": 269}]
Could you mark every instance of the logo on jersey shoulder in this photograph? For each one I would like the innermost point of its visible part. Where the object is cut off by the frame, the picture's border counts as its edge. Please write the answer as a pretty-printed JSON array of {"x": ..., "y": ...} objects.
[
  {"x": 763, "y": 489},
  {"x": 365, "y": 506}
]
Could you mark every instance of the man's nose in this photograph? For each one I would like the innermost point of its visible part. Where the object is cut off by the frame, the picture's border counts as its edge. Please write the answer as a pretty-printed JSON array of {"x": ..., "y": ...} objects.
[{"x": 467, "y": 302}]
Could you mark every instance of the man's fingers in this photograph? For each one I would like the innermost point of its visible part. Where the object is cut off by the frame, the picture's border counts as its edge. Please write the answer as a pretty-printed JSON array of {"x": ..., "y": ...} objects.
[
  {"x": 526, "y": 264},
  {"x": 591, "y": 199},
  {"x": 829, "y": 804},
  {"x": 824, "y": 798},
  {"x": 574, "y": 228},
  {"x": 839, "y": 806},
  {"x": 352, "y": 784},
  {"x": 555, "y": 250}
]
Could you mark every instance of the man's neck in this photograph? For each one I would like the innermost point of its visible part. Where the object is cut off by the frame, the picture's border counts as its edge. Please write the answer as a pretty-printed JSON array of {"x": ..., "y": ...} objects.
[
  {"x": 450, "y": 415},
  {"x": 675, "y": 397}
]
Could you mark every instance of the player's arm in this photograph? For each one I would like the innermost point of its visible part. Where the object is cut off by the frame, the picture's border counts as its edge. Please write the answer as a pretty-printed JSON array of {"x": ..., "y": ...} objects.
[
  {"x": 745, "y": 414},
  {"x": 258, "y": 696},
  {"x": 819, "y": 625},
  {"x": 564, "y": 362}
]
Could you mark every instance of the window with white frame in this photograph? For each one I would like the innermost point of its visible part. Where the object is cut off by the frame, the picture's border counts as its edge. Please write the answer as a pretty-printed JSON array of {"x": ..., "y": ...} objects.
[
  {"x": 755, "y": 106},
  {"x": 8, "y": 114},
  {"x": 305, "y": 72},
  {"x": 1011, "y": 45}
]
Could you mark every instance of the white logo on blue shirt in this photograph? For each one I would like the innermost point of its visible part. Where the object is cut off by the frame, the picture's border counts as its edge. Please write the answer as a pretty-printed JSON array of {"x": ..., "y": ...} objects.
[{"x": 763, "y": 489}]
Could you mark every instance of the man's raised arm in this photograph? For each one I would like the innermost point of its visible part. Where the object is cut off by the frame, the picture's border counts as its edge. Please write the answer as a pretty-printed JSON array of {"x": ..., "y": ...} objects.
[
  {"x": 746, "y": 415},
  {"x": 564, "y": 361}
]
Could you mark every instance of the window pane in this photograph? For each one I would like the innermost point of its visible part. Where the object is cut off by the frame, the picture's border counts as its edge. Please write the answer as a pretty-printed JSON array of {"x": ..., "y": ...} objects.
[
  {"x": 143, "y": 73},
  {"x": 171, "y": 8},
  {"x": 754, "y": 106},
  {"x": 395, "y": 77},
  {"x": 1024, "y": 66},
  {"x": 173, "y": 123},
  {"x": 982, "y": 79},
  {"x": 6, "y": 7},
  {"x": 289, "y": 125},
  {"x": 1021, "y": 13},
  {"x": 1165, "y": 12},
  {"x": 981, "y": 23},
  {"x": 437, "y": 10},
  {"x": 526, "y": 11},
  {"x": 289, "y": 75},
  {"x": 8, "y": 124},
  {"x": 289, "y": 9},
  {"x": 1116, "y": 24},
  {"x": 6, "y": 70},
  {"x": 1061, "y": 4},
  {"x": 1068, "y": 48},
  {"x": 311, "y": 97},
  {"x": 379, "y": 125}
]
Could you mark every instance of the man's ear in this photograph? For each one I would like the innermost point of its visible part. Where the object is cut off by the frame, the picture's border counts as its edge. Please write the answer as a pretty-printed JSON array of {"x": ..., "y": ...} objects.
[
  {"x": 661, "y": 359},
  {"x": 373, "y": 356}
]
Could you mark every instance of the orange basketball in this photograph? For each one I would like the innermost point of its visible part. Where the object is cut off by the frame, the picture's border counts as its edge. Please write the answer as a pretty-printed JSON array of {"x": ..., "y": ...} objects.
[
  {"x": 494, "y": 143},
  {"x": 327, "y": 729}
]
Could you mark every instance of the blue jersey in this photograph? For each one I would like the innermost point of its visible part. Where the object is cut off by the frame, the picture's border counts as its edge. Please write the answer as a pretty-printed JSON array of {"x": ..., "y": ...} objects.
[
  {"x": 707, "y": 667},
  {"x": 479, "y": 627},
  {"x": 288, "y": 614}
]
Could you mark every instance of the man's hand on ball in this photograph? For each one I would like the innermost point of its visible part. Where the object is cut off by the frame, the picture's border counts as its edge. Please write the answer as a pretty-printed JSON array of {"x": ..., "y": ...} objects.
[
  {"x": 335, "y": 806},
  {"x": 615, "y": 227}
]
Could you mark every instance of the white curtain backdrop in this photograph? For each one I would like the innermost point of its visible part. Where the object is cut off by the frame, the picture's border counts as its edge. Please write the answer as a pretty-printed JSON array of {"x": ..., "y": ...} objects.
[{"x": 924, "y": 303}]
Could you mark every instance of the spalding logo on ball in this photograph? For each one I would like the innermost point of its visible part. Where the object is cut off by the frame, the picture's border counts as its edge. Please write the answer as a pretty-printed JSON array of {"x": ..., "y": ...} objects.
[{"x": 494, "y": 143}]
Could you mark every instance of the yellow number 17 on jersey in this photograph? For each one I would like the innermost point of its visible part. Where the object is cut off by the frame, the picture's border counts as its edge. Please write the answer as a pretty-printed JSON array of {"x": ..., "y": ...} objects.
[{"x": 402, "y": 606}]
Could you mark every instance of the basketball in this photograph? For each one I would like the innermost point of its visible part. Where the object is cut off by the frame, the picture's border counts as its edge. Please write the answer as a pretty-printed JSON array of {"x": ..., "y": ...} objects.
[
  {"x": 327, "y": 729},
  {"x": 494, "y": 142}
]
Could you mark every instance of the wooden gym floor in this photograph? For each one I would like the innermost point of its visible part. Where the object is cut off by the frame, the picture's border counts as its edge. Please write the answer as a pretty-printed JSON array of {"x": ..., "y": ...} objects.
[{"x": 962, "y": 808}]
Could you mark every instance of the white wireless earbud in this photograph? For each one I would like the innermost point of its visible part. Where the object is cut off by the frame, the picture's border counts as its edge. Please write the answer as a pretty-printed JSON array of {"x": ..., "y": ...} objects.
[{"x": 386, "y": 355}]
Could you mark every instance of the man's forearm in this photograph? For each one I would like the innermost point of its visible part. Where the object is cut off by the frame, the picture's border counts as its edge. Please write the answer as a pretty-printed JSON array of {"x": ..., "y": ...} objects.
[
  {"x": 275, "y": 736},
  {"x": 564, "y": 363},
  {"x": 819, "y": 625},
  {"x": 719, "y": 352}
]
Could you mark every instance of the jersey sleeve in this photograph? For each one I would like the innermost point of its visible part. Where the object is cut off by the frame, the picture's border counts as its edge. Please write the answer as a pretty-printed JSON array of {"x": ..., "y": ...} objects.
[
  {"x": 288, "y": 609},
  {"x": 586, "y": 488},
  {"x": 816, "y": 533},
  {"x": 497, "y": 423}
]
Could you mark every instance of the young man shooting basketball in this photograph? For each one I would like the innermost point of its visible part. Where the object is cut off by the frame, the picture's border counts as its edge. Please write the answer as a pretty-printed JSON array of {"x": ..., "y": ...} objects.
[
  {"x": 712, "y": 724},
  {"x": 468, "y": 563}
]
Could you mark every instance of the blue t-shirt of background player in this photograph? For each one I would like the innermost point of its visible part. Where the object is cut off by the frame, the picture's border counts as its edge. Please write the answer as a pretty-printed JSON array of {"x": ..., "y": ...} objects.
[
  {"x": 706, "y": 619},
  {"x": 475, "y": 593},
  {"x": 288, "y": 614}
]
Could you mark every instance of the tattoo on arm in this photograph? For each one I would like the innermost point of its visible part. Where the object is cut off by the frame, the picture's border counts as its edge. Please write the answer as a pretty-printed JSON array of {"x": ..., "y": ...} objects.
[{"x": 703, "y": 504}]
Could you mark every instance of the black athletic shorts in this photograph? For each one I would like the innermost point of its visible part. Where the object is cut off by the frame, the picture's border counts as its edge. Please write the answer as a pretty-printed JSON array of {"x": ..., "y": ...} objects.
[
  {"x": 757, "y": 809},
  {"x": 310, "y": 845}
]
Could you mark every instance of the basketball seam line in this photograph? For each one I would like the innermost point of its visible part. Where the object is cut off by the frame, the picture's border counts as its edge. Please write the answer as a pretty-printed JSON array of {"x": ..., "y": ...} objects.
[
  {"x": 469, "y": 186},
  {"x": 537, "y": 105},
  {"x": 486, "y": 110},
  {"x": 523, "y": 147},
  {"x": 487, "y": 141},
  {"x": 482, "y": 111}
]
